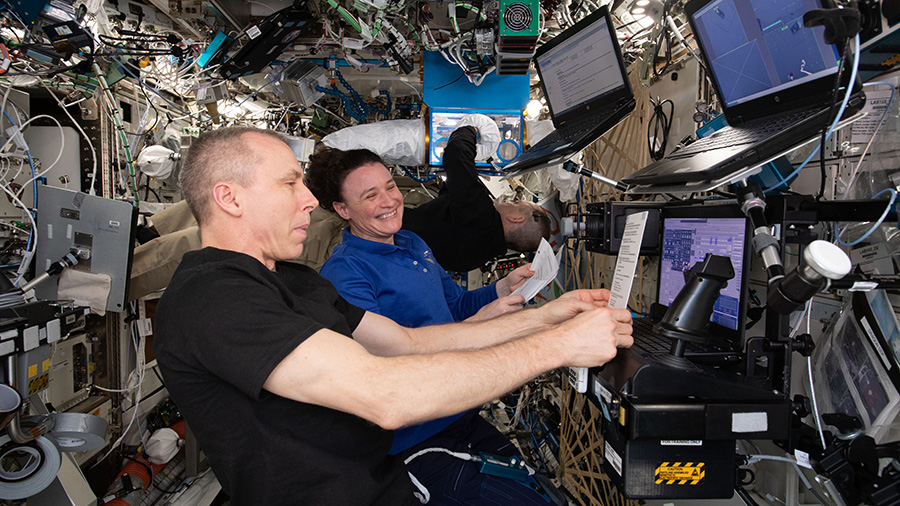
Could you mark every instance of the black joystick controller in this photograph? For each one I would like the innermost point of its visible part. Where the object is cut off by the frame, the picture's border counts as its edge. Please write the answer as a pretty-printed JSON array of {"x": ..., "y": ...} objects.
[{"x": 688, "y": 317}]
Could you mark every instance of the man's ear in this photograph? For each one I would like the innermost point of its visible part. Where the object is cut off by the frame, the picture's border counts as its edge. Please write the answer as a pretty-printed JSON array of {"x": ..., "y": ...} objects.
[
  {"x": 225, "y": 196},
  {"x": 515, "y": 217},
  {"x": 341, "y": 209}
]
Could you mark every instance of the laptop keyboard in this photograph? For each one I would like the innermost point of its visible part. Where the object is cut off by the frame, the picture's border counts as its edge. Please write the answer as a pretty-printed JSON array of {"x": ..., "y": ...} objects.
[
  {"x": 749, "y": 133},
  {"x": 574, "y": 130}
]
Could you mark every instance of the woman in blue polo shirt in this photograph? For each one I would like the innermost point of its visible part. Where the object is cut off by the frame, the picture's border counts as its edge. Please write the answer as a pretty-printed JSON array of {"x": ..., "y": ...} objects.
[{"x": 392, "y": 272}]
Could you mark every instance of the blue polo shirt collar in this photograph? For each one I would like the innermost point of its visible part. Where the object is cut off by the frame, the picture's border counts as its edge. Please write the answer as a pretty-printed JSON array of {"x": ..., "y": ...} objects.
[{"x": 403, "y": 242}]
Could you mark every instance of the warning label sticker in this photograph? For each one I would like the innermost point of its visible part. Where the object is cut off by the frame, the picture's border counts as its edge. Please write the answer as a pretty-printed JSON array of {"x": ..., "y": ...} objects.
[{"x": 680, "y": 473}]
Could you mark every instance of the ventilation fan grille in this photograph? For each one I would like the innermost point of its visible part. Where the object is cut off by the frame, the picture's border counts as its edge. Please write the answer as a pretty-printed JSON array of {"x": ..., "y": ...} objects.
[{"x": 517, "y": 17}]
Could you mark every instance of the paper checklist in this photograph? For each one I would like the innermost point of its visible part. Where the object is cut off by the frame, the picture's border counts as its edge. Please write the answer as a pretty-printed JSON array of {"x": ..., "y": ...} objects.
[{"x": 545, "y": 266}]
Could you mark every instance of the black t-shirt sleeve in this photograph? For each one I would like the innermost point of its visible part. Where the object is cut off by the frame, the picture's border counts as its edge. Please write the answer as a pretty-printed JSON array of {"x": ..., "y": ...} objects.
[
  {"x": 319, "y": 295},
  {"x": 241, "y": 328},
  {"x": 354, "y": 314}
]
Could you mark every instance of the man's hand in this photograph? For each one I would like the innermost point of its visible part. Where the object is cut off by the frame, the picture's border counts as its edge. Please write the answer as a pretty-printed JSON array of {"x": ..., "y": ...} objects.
[
  {"x": 593, "y": 337},
  {"x": 599, "y": 297},
  {"x": 570, "y": 304},
  {"x": 514, "y": 280},
  {"x": 503, "y": 305}
]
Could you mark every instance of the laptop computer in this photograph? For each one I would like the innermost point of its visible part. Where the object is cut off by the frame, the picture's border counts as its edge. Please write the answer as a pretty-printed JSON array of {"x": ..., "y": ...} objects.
[
  {"x": 583, "y": 77},
  {"x": 688, "y": 234},
  {"x": 774, "y": 78}
]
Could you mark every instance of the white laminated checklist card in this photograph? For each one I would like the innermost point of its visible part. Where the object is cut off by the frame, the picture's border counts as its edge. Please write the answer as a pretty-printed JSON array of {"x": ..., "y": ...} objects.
[{"x": 626, "y": 265}]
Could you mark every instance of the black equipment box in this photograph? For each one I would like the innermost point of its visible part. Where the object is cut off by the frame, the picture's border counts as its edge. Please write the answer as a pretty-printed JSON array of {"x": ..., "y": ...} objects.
[
  {"x": 670, "y": 433},
  {"x": 605, "y": 224}
]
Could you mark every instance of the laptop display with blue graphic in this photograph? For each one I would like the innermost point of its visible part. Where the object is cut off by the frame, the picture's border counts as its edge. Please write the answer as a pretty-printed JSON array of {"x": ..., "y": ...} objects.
[{"x": 775, "y": 79}]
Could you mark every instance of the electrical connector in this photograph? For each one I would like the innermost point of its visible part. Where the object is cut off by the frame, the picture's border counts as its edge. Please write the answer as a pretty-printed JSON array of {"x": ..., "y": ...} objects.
[
  {"x": 331, "y": 64},
  {"x": 15, "y": 135},
  {"x": 895, "y": 179},
  {"x": 80, "y": 252},
  {"x": 484, "y": 41},
  {"x": 15, "y": 147}
]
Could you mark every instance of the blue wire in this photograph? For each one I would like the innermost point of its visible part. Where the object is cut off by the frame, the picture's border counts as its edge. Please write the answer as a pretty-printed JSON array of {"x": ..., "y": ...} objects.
[
  {"x": 33, "y": 183},
  {"x": 877, "y": 224},
  {"x": 415, "y": 178},
  {"x": 349, "y": 105},
  {"x": 837, "y": 117},
  {"x": 362, "y": 105}
]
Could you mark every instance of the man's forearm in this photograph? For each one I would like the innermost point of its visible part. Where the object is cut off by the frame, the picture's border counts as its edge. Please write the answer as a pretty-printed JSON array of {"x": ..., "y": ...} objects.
[
  {"x": 474, "y": 335},
  {"x": 437, "y": 385},
  {"x": 479, "y": 334},
  {"x": 441, "y": 384},
  {"x": 393, "y": 389}
]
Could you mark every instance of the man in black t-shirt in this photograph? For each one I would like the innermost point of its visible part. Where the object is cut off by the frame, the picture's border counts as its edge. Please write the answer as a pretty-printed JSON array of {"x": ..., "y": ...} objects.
[{"x": 292, "y": 391}]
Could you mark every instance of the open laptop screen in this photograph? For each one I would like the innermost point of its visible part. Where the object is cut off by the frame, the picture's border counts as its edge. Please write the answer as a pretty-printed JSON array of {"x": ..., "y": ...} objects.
[
  {"x": 759, "y": 47},
  {"x": 581, "y": 68},
  {"x": 686, "y": 241}
]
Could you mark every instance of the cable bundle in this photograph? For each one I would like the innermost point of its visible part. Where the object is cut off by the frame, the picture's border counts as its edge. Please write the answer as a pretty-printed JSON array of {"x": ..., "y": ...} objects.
[{"x": 353, "y": 103}]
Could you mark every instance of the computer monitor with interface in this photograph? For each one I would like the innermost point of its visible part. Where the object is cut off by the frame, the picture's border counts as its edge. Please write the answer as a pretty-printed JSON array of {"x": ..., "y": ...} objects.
[{"x": 686, "y": 241}]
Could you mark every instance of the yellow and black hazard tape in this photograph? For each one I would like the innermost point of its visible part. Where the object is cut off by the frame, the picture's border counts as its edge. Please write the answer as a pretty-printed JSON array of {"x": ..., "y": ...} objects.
[{"x": 678, "y": 473}]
